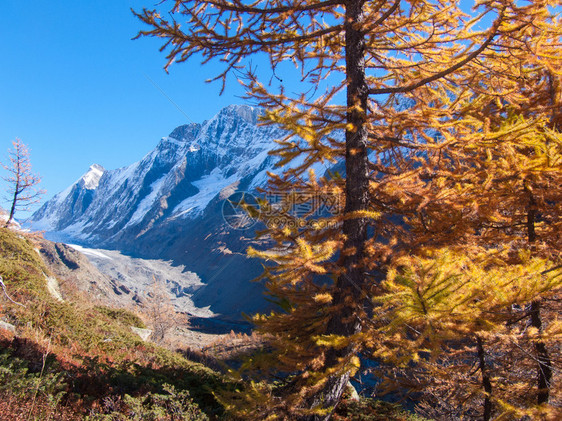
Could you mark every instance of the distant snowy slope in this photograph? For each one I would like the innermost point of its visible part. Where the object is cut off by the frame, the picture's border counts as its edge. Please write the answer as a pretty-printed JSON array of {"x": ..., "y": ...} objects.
[
  {"x": 4, "y": 215},
  {"x": 168, "y": 205},
  {"x": 179, "y": 178},
  {"x": 69, "y": 204}
]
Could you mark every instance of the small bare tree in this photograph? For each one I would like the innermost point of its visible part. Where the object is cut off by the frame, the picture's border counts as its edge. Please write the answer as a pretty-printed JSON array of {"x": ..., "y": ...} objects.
[
  {"x": 22, "y": 190},
  {"x": 160, "y": 311}
]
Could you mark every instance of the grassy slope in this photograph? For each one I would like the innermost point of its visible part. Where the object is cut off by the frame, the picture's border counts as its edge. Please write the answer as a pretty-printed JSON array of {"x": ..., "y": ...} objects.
[
  {"x": 74, "y": 360},
  {"x": 70, "y": 359}
]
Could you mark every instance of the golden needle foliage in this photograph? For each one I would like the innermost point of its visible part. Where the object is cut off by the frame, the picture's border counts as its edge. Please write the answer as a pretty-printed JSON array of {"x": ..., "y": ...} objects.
[
  {"x": 443, "y": 125},
  {"x": 443, "y": 309}
]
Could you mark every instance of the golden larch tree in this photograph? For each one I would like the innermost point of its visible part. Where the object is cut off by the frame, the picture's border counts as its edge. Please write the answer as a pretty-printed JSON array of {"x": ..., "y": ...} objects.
[{"x": 386, "y": 88}]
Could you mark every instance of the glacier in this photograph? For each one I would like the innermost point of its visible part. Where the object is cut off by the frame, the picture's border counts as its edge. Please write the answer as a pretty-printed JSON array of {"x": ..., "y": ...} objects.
[{"x": 168, "y": 206}]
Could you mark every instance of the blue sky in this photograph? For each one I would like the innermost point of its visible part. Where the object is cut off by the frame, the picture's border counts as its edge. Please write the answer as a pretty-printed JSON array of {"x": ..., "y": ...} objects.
[{"x": 77, "y": 90}]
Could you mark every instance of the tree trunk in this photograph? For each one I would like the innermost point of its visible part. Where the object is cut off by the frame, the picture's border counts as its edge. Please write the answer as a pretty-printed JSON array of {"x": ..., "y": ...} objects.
[
  {"x": 14, "y": 203},
  {"x": 486, "y": 383},
  {"x": 350, "y": 286},
  {"x": 544, "y": 371}
]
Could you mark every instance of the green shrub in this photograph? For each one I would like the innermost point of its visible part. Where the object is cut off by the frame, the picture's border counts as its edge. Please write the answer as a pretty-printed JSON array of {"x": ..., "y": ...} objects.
[
  {"x": 170, "y": 406},
  {"x": 368, "y": 409},
  {"x": 122, "y": 315},
  {"x": 17, "y": 379}
]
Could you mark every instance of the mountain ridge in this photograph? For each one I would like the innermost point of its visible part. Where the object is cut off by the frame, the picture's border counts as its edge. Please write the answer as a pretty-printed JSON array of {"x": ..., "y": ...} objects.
[{"x": 168, "y": 205}]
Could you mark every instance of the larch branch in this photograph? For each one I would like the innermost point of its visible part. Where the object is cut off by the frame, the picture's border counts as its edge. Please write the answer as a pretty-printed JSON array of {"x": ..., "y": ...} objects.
[{"x": 437, "y": 76}]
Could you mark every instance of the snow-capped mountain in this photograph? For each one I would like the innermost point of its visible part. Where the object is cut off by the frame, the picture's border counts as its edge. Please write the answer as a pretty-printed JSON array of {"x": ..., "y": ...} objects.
[
  {"x": 70, "y": 203},
  {"x": 168, "y": 205},
  {"x": 178, "y": 179}
]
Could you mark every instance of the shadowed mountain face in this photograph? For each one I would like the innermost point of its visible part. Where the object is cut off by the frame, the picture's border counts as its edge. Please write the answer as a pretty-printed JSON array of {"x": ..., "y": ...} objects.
[{"x": 169, "y": 206}]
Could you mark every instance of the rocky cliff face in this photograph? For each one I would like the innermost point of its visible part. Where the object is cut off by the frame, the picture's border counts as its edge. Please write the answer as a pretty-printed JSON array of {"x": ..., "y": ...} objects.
[
  {"x": 77, "y": 273},
  {"x": 169, "y": 206},
  {"x": 111, "y": 278}
]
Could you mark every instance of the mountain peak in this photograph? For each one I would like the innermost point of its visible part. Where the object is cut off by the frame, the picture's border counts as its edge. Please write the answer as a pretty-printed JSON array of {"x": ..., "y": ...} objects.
[
  {"x": 245, "y": 112},
  {"x": 180, "y": 177},
  {"x": 91, "y": 179},
  {"x": 186, "y": 133},
  {"x": 167, "y": 204}
]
